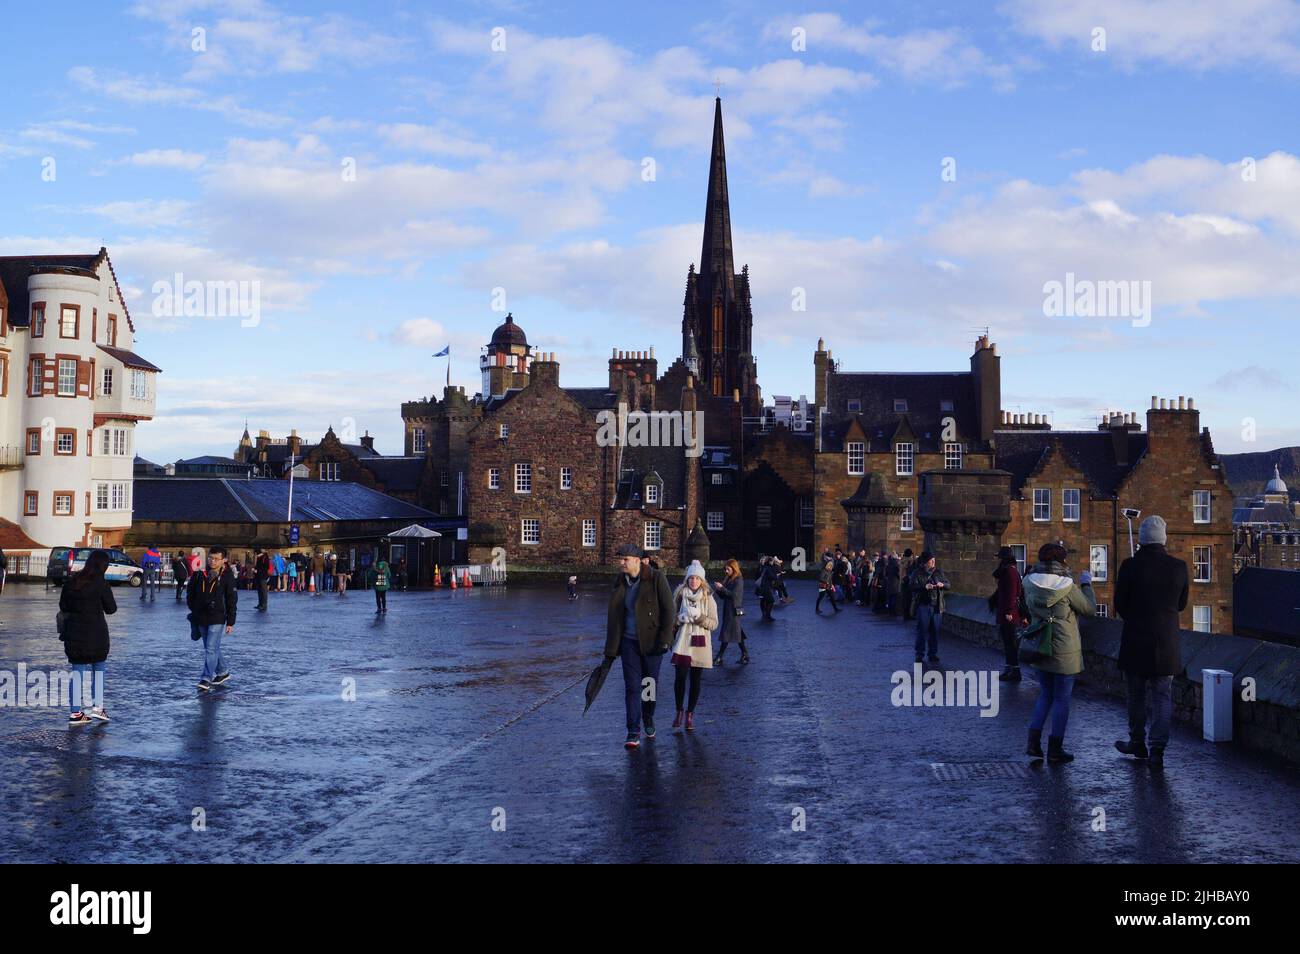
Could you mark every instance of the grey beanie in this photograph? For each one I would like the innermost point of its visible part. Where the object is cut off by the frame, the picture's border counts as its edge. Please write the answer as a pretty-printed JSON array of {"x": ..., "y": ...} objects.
[{"x": 1153, "y": 531}]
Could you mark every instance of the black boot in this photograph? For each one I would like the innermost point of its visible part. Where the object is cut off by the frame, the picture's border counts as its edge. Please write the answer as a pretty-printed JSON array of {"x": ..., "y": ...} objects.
[
  {"x": 744, "y": 653},
  {"x": 1157, "y": 760},
  {"x": 1054, "y": 751},
  {"x": 1035, "y": 747},
  {"x": 1134, "y": 747}
]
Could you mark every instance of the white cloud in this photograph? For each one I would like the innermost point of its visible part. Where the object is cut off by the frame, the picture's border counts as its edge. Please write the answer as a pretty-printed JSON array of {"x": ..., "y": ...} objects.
[
  {"x": 165, "y": 159},
  {"x": 142, "y": 92},
  {"x": 1200, "y": 34}
]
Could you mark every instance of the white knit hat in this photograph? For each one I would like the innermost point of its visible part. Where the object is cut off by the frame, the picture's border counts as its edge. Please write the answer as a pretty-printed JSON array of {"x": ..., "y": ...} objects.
[
  {"x": 697, "y": 569},
  {"x": 1153, "y": 531}
]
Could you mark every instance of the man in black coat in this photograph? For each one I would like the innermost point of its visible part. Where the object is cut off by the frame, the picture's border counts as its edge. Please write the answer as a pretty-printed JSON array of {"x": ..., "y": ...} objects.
[
  {"x": 212, "y": 598},
  {"x": 639, "y": 631},
  {"x": 1151, "y": 591}
]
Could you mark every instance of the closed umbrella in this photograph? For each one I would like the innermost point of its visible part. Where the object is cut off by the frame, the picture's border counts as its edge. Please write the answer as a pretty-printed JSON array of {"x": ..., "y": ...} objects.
[{"x": 595, "y": 681}]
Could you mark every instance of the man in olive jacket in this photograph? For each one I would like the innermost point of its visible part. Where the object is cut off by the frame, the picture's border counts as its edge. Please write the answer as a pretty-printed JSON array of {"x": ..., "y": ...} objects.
[
  {"x": 639, "y": 632},
  {"x": 1151, "y": 591}
]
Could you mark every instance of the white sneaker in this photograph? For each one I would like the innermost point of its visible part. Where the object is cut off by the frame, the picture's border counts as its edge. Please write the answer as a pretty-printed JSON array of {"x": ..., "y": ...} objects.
[{"x": 97, "y": 712}]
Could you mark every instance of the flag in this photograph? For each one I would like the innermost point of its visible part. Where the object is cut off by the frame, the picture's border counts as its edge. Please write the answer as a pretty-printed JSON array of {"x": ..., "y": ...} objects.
[{"x": 444, "y": 353}]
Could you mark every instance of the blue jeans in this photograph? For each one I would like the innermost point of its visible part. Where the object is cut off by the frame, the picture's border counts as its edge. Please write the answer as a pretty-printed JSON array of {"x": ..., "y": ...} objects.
[
  {"x": 927, "y": 625},
  {"x": 76, "y": 692},
  {"x": 637, "y": 667},
  {"x": 214, "y": 664},
  {"x": 150, "y": 584},
  {"x": 1053, "y": 698},
  {"x": 1158, "y": 691}
]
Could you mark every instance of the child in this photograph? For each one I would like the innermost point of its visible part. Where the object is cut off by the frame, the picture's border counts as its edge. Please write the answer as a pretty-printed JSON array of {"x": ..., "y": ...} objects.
[{"x": 573, "y": 587}]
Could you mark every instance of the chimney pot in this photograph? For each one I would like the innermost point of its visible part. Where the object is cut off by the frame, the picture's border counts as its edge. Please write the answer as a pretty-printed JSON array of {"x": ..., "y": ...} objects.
[
  {"x": 1182, "y": 403},
  {"x": 1153, "y": 402},
  {"x": 1191, "y": 405}
]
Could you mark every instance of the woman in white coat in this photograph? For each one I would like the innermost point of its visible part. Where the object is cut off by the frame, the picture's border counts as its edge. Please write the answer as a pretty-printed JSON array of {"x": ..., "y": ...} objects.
[{"x": 697, "y": 618}]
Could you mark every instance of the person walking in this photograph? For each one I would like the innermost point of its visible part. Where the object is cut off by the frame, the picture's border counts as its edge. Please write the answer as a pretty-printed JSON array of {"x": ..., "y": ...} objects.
[
  {"x": 1151, "y": 592},
  {"x": 85, "y": 600},
  {"x": 730, "y": 594},
  {"x": 826, "y": 587},
  {"x": 893, "y": 584},
  {"x": 262, "y": 576},
  {"x": 638, "y": 632},
  {"x": 764, "y": 588},
  {"x": 905, "y": 593},
  {"x": 151, "y": 562},
  {"x": 1006, "y": 608},
  {"x": 1054, "y": 598},
  {"x": 697, "y": 618},
  {"x": 342, "y": 569},
  {"x": 180, "y": 573},
  {"x": 213, "y": 599},
  {"x": 879, "y": 591},
  {"x": 931, "y": 585},
  {"x": 381, "y": 578},
  {"x": 778, "y": 584}
]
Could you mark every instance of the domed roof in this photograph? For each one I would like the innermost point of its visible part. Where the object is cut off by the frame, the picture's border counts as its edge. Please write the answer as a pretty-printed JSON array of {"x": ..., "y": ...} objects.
[
  {"x": 509, "y": 334},
  {"x": 1276, "y": 485}
]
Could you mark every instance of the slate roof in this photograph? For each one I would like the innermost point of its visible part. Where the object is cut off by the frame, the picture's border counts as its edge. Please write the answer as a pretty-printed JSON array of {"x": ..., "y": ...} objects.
[
  {"x": 876, "y": 391},
  {"x": 130, "y": 358},
  {"x": 670, "y": 463},
  {"x": 1267, "y": 601},
  {"x": 1092, "y": 452},
  {"x": 265, "y": 500},
  {"x": 1254, "y": 510},
  {"x": 15, "y": 269},
  {"x": 397, "y": 473},
  {"x": 593, "y": 399}
]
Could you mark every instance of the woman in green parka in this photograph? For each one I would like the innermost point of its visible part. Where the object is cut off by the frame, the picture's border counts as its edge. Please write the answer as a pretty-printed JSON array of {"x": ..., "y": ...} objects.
[
  {"x": 1051, "y": 593},
  {"x": 380, "y": 577}
]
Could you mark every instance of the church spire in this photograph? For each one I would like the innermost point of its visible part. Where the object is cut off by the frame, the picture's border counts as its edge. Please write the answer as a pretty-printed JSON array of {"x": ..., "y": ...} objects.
[{"x": 717, "y": 267}]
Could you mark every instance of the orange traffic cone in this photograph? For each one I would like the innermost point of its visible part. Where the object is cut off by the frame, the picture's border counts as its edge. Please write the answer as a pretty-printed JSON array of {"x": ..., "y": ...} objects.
[
  {"x": 311, "y": 582},
  {"x": 452, "y": 576},
  {"x": 437, "y": 577},
  {"x": 467, "y": 582}
]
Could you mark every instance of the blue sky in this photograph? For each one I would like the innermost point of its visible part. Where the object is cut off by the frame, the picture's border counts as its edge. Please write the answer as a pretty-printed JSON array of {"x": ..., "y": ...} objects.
[{"x": 522, "y": 169}]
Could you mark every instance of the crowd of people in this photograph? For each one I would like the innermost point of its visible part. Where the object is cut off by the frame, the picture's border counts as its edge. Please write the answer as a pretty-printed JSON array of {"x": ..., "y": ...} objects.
[{"x": 1037, "y": 616}]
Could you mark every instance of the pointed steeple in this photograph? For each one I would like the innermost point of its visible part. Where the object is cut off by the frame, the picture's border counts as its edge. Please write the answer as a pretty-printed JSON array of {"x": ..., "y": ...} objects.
[
  {"x": 717, "y": 267},
  {"x": 691, "y": 354}
]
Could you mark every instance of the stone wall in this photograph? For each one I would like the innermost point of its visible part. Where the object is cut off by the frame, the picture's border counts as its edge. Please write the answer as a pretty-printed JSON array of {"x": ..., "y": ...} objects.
[{"x": 1270, "y": 723}]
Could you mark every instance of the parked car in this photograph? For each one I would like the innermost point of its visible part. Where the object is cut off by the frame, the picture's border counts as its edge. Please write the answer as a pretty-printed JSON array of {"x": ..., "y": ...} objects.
[
  {"x": 57, "y": 569},
  {"x": 121, "y": 568}
]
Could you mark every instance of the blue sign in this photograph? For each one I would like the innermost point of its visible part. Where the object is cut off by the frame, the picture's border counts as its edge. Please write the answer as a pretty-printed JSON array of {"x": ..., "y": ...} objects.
[{"x": 293, "y": 535}]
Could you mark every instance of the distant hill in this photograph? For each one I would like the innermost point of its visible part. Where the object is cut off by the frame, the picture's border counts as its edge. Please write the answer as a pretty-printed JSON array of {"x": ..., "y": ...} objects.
[{"x": 1248, "y": 473}]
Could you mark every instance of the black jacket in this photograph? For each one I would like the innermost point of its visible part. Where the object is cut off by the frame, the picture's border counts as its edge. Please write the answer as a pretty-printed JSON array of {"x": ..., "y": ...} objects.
[
  {"x": 212, "y": 601},
  {"x": 1151, "y": 591},
  {"x": 85, "y": 631},
  {"x": 655, "y": 613}
]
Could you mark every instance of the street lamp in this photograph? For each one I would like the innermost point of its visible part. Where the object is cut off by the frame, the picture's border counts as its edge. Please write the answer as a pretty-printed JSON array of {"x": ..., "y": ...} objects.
[{"x": 1131, "y": 514}]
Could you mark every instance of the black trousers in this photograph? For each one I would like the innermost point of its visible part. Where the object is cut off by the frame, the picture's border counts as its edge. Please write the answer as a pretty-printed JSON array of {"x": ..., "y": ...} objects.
[
  {"x": 381, "y": 600},
  {"x": 1010, "y": 647},
  {"x": 679, "y": 686},
  {"x": 263, "y": 587},
  {"x": 823, "y": 594}
]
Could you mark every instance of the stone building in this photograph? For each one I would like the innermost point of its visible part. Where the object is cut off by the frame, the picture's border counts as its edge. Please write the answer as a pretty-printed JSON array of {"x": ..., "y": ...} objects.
[
  {"x": 1266, "y": 527},
  {"x": 330, "y": 459},
  {"x": 1074, "y": 486},
  {"x": 897, "y": 425}
]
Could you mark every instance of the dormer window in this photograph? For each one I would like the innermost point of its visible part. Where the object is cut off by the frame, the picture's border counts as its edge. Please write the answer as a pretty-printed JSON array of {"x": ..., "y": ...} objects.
[
  {"x": 651, "y": 492},
  {"x": 854, "y": 406},
  {"x": 900, "y": 405}
]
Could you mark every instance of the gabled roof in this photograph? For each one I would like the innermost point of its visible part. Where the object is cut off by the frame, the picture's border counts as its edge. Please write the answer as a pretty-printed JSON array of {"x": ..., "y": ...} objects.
[
  {"x": 265, "y": 501},
  {"x": 1023, "y": 453},
  {"x": 668, "y": 464},
  {"x": 593, "y": 399},
  {"x": 397, "y": 473},
  {"x": 15, "y": 270},
  {"x": 876, "y": 392}
]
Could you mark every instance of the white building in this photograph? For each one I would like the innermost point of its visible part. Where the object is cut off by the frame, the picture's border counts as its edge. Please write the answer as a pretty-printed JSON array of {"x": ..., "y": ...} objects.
[{"x": 71, "y": 392}]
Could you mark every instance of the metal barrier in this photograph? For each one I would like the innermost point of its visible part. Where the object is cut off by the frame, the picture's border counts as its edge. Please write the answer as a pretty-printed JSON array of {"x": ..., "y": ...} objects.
[{"x": 481, "y": 574}]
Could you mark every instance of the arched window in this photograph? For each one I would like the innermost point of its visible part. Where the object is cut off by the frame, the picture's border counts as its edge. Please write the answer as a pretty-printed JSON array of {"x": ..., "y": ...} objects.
[{"x": 717, "y": 326}]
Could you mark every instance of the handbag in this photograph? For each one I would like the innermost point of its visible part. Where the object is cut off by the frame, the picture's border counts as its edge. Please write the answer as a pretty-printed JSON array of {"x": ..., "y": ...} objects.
[{"x": 1036, "y": 642}]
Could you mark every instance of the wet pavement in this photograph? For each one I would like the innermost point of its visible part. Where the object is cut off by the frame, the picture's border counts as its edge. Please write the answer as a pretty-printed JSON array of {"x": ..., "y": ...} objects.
[{"x": 466, "y": 742}]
